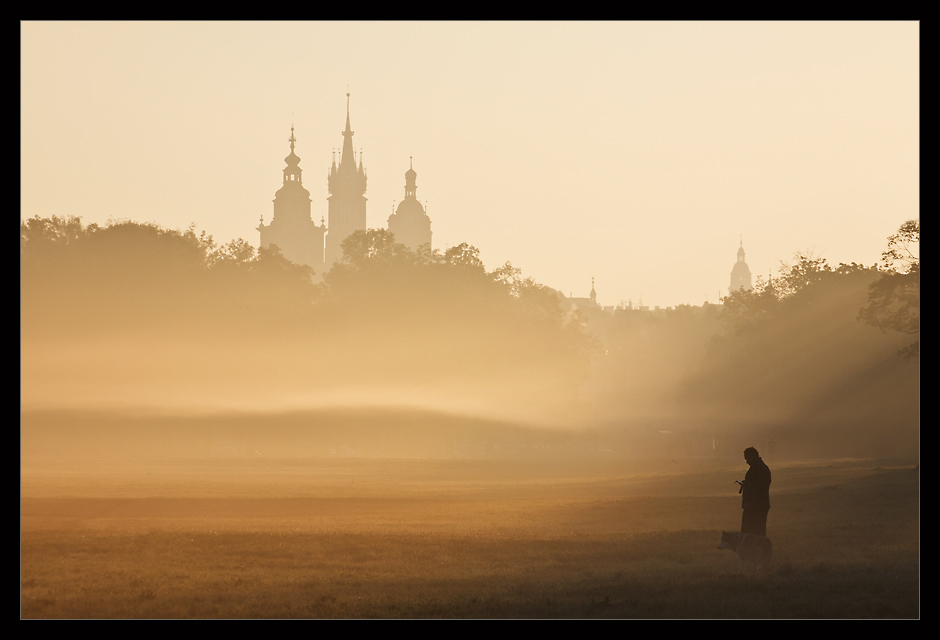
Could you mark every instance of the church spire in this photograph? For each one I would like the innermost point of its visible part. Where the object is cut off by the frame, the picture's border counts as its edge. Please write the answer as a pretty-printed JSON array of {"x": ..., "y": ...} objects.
[
  {"x": 740, "y": 274},
  {"x": 291, "y": 227},
  {"x": 292, "y": 170},
  {"x": 347, "y": 141},
  {"x": 410, "y": 176},
  {"x": 346, "y": 183}
]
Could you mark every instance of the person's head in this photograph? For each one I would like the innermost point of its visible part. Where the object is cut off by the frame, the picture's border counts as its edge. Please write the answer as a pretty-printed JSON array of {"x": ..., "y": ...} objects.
[{"x": 751, "y": 455}]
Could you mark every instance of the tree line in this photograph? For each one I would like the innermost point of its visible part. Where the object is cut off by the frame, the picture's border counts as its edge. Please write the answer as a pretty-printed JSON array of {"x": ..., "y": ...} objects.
[
  {"x": 384, "y": 312},
  {"x": 815, "y": 345}
]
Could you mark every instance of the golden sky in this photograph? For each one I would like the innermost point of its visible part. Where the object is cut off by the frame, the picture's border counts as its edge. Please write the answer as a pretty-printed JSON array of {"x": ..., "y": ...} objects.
[{"x": 637, "y": 153}]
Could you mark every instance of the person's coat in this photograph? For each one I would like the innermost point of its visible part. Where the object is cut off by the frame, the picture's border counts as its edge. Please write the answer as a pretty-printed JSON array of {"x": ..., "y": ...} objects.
[{"x": 756, "y": 491}]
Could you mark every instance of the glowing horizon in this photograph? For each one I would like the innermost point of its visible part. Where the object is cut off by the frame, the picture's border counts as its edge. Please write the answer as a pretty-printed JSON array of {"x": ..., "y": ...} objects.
[{"x": 634, "y": 153}]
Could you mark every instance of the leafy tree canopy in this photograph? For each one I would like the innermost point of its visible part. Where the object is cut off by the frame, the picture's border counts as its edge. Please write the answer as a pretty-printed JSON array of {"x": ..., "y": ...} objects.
[{"x": 894, "y": 298}]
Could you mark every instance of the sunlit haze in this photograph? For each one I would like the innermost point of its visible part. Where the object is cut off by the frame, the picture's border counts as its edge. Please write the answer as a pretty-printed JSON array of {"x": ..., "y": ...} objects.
[
  {"x": 639, "y": 154},
  {"x": 469, "y": 320}
]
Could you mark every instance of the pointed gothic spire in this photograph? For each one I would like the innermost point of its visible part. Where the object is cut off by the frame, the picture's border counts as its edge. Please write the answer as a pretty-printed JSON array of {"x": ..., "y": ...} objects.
[
  {"x": 347, "y": 140},
  {"x": 345, "y": 173}
]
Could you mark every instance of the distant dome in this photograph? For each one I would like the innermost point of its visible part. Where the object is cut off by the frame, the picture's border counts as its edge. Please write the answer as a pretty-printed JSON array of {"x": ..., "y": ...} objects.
[
  {"x": 410, "y": 224},
  {"x": 740, "y": 274},
  {"x": 294, "y": 190},
  {"x": 740, "y": 270},
  {"x": 410, "y": 207}
]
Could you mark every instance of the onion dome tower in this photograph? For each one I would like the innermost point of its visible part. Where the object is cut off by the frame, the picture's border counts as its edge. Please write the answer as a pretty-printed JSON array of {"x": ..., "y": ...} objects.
[
  {"x": 410, "y": 224},
  {"x": 292, "y": 229},
  {"x": 740, "y": 274},
  {"x": 347, "y": 200}
]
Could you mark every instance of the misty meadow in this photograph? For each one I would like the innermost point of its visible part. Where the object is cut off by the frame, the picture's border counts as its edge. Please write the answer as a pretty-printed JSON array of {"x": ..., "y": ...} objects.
[
  {"x": 502, "y": 453},
  {"x": 554, "y": 319}
]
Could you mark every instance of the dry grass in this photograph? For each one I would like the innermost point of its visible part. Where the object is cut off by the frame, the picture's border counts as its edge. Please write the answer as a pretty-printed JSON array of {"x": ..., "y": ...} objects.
[{"x": 250, "y": 538}]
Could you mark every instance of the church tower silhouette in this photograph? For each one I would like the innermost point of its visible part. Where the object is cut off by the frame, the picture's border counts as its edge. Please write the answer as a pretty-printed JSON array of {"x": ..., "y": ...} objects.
[
  {"x": 292, "y": 230},
  {"x": 740, "y": 274},
  {"x": 347, "y": 187},
  {"x": 410, "y": 225}
]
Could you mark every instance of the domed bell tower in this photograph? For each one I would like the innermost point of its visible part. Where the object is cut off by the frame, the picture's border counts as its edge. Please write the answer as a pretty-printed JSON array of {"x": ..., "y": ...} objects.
[
  {"x": 410, "y": 224},
  {"x": 292, "y": 229},
  {"x": 740, "y": 274}
]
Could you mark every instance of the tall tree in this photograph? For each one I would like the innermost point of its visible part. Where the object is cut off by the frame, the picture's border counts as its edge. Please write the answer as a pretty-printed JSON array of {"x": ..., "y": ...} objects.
[{"x": 894, "y": 299}]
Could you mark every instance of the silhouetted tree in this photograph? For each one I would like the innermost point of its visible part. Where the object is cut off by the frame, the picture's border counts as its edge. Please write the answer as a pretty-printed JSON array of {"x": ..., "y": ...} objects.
[
  {"x": 894, "y": 298},
  {"x": 448, "y": 304},
  {"x": 141, "y": 277},
  {"x": 41, "y": 236},
  {"x": 464, "y": 255},
  {"x": 793, "y": 353}
]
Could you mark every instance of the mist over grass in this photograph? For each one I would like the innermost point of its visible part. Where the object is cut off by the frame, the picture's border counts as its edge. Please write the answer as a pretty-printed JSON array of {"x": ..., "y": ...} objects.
[
  {"x": 134, "y": 317},
  {"x": 209, "y": 432}
]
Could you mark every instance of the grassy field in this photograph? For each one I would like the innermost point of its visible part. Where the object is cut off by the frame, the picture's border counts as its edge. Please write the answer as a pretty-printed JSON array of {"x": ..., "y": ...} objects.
[{"x": 253, "y": 537}]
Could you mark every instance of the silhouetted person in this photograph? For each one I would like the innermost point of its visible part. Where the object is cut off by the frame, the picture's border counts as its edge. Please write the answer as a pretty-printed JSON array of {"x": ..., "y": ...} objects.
[{"x": 755, "y": 494}]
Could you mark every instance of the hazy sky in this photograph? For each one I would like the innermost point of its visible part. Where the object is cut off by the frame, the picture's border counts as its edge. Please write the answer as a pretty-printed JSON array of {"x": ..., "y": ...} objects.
[{"x": 637, "y": 153}]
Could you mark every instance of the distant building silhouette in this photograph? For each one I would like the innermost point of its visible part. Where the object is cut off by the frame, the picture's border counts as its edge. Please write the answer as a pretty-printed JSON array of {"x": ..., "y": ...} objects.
[
  {"x": 410, "y": 224},
  {"x": 586, "y": 303},
  {"x": 292, "y": 229},
  {"x": 347, "y": 186},
  {"x": 302, "y": 241},
  {"x": 740, "y": 274}
]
